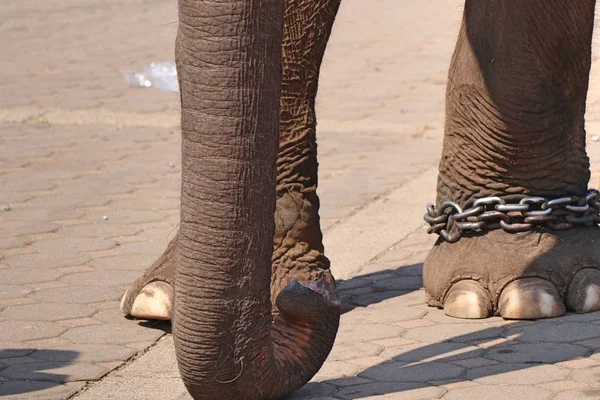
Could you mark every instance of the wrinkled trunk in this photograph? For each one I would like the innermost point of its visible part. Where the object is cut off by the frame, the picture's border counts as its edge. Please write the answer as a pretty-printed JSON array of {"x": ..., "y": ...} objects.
[{"x": 227, "y": 345}]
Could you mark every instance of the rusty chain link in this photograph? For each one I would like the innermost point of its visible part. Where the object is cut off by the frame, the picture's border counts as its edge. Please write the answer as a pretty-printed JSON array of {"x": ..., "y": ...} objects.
[{"x": 450, "y": 220}]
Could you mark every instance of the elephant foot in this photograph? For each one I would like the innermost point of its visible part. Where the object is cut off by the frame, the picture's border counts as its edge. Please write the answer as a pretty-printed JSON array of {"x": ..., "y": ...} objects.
[
  {"x": 528, "y": 275},
  {"x": 151, "y": 295}
]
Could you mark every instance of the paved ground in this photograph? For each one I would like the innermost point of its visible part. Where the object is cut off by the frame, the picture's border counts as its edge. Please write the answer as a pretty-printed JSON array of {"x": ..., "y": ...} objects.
[{"x": 89, "y": 175}]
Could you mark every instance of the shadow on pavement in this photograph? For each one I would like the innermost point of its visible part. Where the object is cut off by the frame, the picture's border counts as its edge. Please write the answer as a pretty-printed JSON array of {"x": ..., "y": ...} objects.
[
  {"x": 373, "y": 288},
  {"x": 164, "y": 326},
  {"x": 498, "y": 347},
  {"x": 31, "y": 370}
]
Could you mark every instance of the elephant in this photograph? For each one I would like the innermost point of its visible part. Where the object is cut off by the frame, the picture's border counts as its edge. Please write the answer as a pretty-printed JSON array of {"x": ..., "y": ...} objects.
[{"x": 255, "y": 317}]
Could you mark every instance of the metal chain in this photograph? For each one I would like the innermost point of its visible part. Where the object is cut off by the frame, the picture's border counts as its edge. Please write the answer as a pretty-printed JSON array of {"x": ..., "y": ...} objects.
[{"x": 451, "y": 221}]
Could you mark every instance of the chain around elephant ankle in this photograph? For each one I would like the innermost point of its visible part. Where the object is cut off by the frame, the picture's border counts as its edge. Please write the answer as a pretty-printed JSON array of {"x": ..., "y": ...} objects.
[{"x": 451, "y": 221}]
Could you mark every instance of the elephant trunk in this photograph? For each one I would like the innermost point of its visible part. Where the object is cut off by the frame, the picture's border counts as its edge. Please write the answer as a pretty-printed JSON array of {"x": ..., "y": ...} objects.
[{"x": 228, "y": 345}]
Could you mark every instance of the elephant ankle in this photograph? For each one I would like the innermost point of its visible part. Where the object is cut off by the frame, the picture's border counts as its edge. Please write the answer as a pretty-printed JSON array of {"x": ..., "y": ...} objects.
[{"x": 489, "y": 151}]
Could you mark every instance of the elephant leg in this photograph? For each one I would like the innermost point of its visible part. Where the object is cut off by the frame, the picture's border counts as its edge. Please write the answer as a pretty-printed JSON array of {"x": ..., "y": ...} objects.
[
  {"x": 298, "y": 253},
  {"x": 298, "y": 249},
  {"x": 515, "y": 109}
]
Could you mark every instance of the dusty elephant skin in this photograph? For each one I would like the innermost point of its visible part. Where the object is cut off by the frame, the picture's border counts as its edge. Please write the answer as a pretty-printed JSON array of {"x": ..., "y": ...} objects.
[{"x": 255, "y": 311}]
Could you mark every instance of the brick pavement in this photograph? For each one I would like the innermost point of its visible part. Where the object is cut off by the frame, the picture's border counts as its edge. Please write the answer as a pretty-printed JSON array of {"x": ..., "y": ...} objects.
[{"x": 77, "y": 145}]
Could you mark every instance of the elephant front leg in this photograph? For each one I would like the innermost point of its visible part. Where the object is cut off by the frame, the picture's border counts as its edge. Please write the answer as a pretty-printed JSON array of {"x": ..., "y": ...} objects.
[{"x": 515, "y": 127}]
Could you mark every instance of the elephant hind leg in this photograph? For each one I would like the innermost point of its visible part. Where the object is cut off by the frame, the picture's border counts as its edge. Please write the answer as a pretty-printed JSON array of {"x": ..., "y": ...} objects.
[{"x": 151, "y": 295}]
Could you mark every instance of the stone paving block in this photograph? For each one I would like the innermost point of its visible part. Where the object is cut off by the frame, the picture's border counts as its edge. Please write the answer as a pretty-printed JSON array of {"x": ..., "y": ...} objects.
[
  {"x": 390, "y": 390},
  {"x": 46, "y": 285},
  {"x": 147, "y": 203},
  {"x": 23, "y": 228},
  {"x": 11, "y": 291},
  {"x": 16, "y": 302},
  {"x": 13, "y": 198},
  {"x": 413, "y": 323},
  {"x": 460, "y": 333},
  {"x": 517, "y": 374},
  {"x": 590, "y": 376},
  {"x": 103, "y": 278},
  {"x": 158, "y": 363},
  {"x": 85, "y": 353},
  {"x": 445, "y": 352},
  {"x": 100, "y": 230},
  {"x": 561, "y": 386},
  {"x": 150, "y": 247},
  {"x": 368, "y": 362},
  {"x": 38, "y": 390},
  {"x": 74, "y": 245},
  {"x": 396, "y": 87},
  {"x": 413, "y": 372},
  {"x": 14, "y": 349},
  {"x": 549, "y": 353},
  {"x": 125, "y": 217},
  {"x": 588, "y": 393},
  {"x": 347, "y": 351},
  {"x": 509, "y": 391},
  {"x": 75, "y": 269},
  {"x": 394, "y": 342},
  {"x": 349, "y": 381},
  {"x": 78, "y": 294},
  {"x": 111, "y": 334},
  {"x": 13, "y": 242},
  {"x": 149, "y": 387},
  {"x": 13, "y": 331},
  {"x": 45, "y": 260},
  {"x": 54, "y": 371},
  {"x": 343, "y": 285},
  {"x": 367, "y": 333},
  {"x": 19, "y": 360},
  {"x": 559, "y": 332},
  {"x": 391, "y": 298},
  {"x": 133, "y": 262},
  {"x": 139, "y": 346},
  {"x": 108, "y": 304},
  {"x": 474, "y": 362},
  {"x": 47, "y": 312},
  {"x": 312, "y": 390},
  {"x": 439, "y": 317},
  {"x": 402, "y": 283},
  {"x": 22, "y": 213},
  {"x": 336, "y": 370},
  {"x": 573, "y": 317},
  {"x": 48, "y": 342},
  {"x": 381, "y": 315}
]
